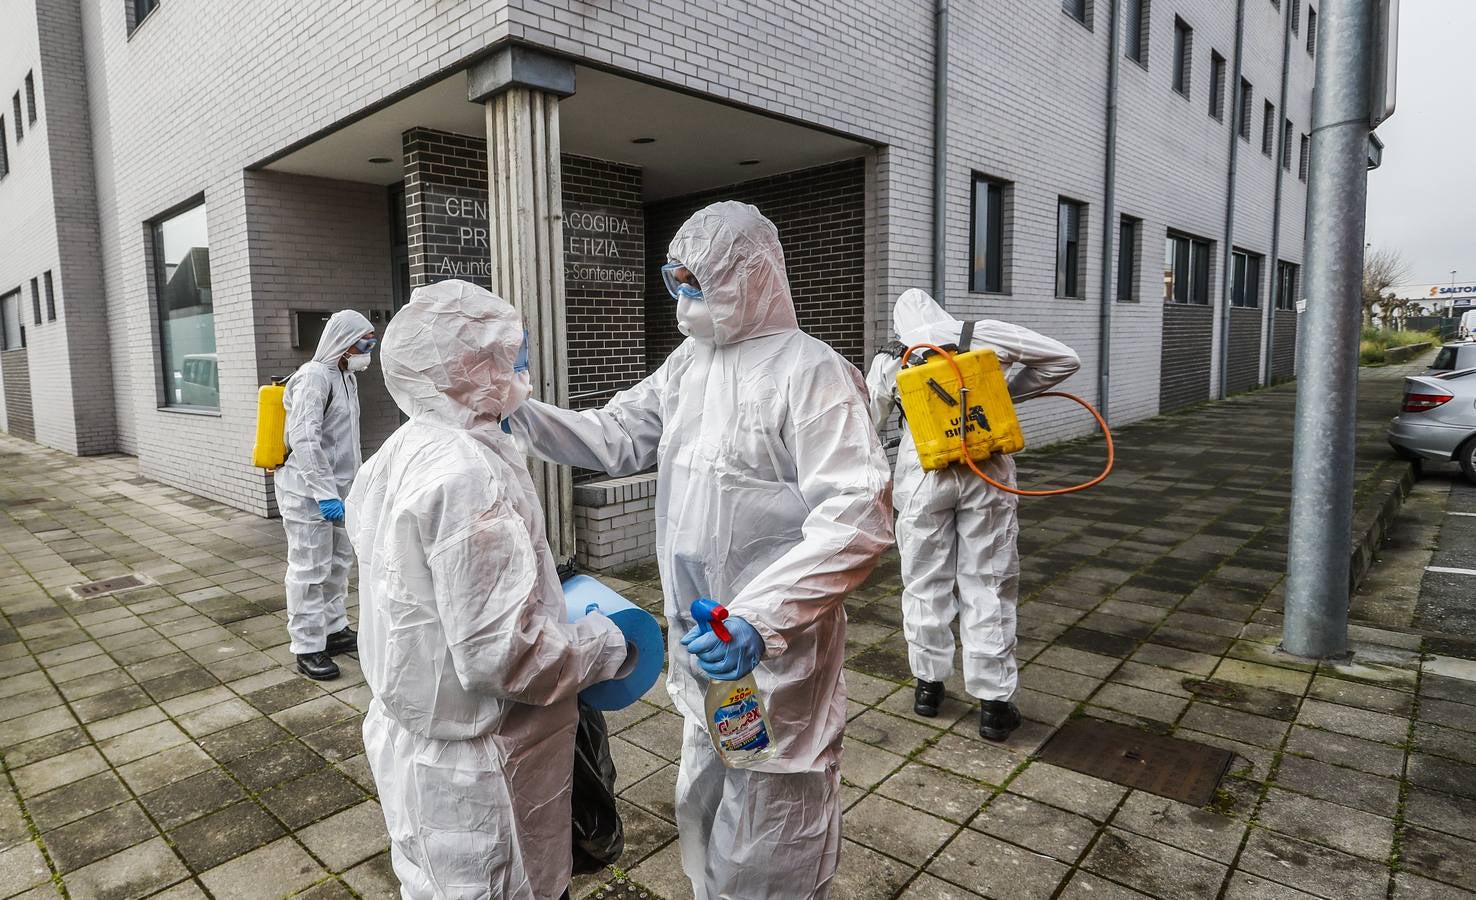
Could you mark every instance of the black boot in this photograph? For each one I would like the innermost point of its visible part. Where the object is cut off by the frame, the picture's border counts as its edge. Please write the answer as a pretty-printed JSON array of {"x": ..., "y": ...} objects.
[
  {"x": 317, "y": 666},
  {"x": 997, "y": 718},
  {"x": 927, "y": 697},
  {"x": 345, "y": 640}
]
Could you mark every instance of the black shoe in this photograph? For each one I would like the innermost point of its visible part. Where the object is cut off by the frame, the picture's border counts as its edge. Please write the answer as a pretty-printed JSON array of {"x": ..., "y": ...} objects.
[
  {"x": 927, "y": 697},
  {"x": 345, "y": 640},
  {"x": 997, "y": 718},
  {"x": 317, "y": 666}
]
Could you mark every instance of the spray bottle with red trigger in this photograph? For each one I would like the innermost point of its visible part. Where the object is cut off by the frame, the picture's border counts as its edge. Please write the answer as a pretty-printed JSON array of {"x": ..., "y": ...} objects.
[{"x": 735, "y": 714}]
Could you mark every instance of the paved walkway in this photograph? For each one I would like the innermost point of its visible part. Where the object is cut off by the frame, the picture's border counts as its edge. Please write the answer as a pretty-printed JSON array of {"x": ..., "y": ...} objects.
[{"x": 154, "y": 743}]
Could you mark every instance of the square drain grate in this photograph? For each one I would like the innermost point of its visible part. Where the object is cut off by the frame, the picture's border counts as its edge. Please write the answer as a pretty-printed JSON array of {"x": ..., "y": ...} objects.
[
  {"x": 1169, "y": 767},
  {"x": 107, "y": 586}
]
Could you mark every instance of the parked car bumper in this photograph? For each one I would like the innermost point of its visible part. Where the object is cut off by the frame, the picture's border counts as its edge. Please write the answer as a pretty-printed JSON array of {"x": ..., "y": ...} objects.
[{"x": 1426, "y": 440}]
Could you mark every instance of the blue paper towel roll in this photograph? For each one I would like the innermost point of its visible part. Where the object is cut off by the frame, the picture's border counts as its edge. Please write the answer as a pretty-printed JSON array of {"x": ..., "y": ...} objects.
[{"x": 641, "y": 631}]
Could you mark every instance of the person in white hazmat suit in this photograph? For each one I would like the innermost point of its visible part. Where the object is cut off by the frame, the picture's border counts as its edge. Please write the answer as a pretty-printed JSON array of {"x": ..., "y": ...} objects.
[
  {"x": 322, "y": 403},
  {"x": 956, "y": 534},
  {"x": 772, "y": 495},
  {"x": 474, "y": 673}
]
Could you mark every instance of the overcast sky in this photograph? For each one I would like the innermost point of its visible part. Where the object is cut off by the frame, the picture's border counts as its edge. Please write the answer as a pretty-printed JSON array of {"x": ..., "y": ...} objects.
[{"x": 1422, "y": 200}]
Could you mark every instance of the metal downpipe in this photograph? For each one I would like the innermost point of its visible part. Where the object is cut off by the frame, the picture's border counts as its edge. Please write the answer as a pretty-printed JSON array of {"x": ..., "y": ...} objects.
[
  {"x": 1109, "y": 214},
  {"x": 940, "y": 151}
]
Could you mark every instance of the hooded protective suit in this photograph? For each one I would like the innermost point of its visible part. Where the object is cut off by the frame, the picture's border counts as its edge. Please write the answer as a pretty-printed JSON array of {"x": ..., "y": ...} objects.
[
  {"x": 470, "y": 734},
  {"x": 322, "y": 405},
  {"x": 771, "y": 499},
  {"x": 956, "y": 534}
]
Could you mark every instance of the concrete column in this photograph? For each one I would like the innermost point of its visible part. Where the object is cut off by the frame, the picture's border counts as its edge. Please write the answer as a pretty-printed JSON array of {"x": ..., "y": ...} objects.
[{"x": 521, "y": 90}]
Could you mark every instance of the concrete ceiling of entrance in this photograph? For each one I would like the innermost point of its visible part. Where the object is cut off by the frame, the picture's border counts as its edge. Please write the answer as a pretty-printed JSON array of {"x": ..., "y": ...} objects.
[{"x": 699, "y": 144}]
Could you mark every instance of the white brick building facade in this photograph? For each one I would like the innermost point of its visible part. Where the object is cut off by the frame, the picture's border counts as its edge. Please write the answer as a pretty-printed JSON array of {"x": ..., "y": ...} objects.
[{"x": 198, "y": 101}]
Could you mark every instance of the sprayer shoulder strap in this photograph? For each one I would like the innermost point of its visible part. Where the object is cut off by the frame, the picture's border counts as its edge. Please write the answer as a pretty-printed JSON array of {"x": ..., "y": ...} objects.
[{"x": 966, "y": 337}]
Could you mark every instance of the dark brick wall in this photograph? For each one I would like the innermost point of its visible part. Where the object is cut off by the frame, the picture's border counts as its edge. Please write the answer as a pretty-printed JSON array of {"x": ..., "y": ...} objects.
[
  {"x": 1184, "y": 366},
  {"x": 821, "y": 217},
  {"x": 15, "y": 372},
  {"x": 1245, "y": 350},
  {"x": 1284, "y": 352},
  {"x": 604, "y": 252}
]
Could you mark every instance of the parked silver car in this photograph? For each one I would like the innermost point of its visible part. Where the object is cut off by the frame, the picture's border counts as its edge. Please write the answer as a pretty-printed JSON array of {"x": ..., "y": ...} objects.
[
  {"x": 1438, "y": 419},
  {"x": 1455, "y": 357}
]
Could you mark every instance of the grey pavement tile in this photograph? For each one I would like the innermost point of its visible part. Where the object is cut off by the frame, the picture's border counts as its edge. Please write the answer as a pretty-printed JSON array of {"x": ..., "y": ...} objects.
[
  {"x": 192, "y": 797},
  {"x": 864, "y": 765},
  {"x": 1245, "y": 886},
  {"x": 283, "y": 695},
  {"x": 897, "y": 830},
  {"x": 129, "y": 721},
  {"x": 662, "y": 873},
  {"x": 1441, "y": 687},
  {"x": 997, "y": 869},
  {"x": 1360, "y": 723},
  {"x": 1445, "y": 775},
  {"x": 223, "y": 835},
  {"x": 344, "y": 840},
  {"x": 1312, "y": 868},
  {"x": 21, "y": 867},
  {"x": 99, "y": 835},
  {"x": 1409, "y": 886},
  {"x": 1363, "y": 696},
  {"x": 178, "y": 684},
  {"x": 1344, "y": 750},
  {"x": 210, "y": 719},
  {"x": 632, "y": 763},
  {"x": 76, "y": 800},
  {"x": 1079, "y": 661},
  {"x": 929, "y": 887},
  {"x": 1195, "y": 642},
  {"x": 331, "y": 889},
  {"x": 82, "y": 667},
  {"x": 166, "y": 767},
  {"x": 135, "y": 872},
  {"x": 374, "y": 877},
  {"x": 1439, "y": 856},
  {"x": 1451, "y": 715},
  {"x": 1035, "y": 706},
  {"x": 313, "y": 715},
  {"x": 938, "y": 792},
  {"x": 1443, "y": 812},
  {"x": 1447, "y": 742},
  {"x": 30, "y": 681},
  {"x": 47, "y": 747},
  {"x": 1138, "y": 702},
  {"x": 1158, "y": 678},
  {"x": 112, "y": 703},
  {"x": 1152, "y": 867},
  {"x": 1071, "y": 685},
  {"x": 339, "y": 741},
  {"x": 357, "y": 768},
  {"x": 1336, "y": 784},
  {"x": 1234, "y": 724},
  {"x": 972, "y": 758},
  {"x": 1036, "y": 826},
  {"x": 146, "y": 741},
  {"x": 93, "y": 685},
  {"x": 28, "y": 728},
  {"x": 69, "y": 654},
  {"x": 868, "y": 875},
  {"x": 239, "y": 740},
  {"x": 276, "y": 764},
  {"x": 272, "y": 871},
  {"x": 1275, "y": 678},
  {"x": 1250, "y": 761},
  {"x": 40, "y": 777},
  {"x": 661, "y": 734},
  {"x": 1180, "y": 825},
  {"x": 1086, "y": 886},
  {"x": 1068, "y": 790},
  {"x": 1357, "y": 832},
  {"x": 312, "y": 797},
  {"x": 246, "y": 665},
  {"x": 656, "y": 793}
]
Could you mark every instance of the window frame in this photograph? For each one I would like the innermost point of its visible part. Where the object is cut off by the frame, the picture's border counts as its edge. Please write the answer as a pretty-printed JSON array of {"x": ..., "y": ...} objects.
[
  {"x": 1243, "y": 265},
  {"x": 135, "y": 21},
  {"x": 31, "y": 96},
  {"x": 1244, "y": 102},
  {"x": 994, "y": 238},
  {"x": 4, "y": 150},
  {"x": 1136, "y": 34},
  {"x": 1085, "y": 16},
  {"x": 1311, "y": 31},
  {"x": 1281, "y": 302},
  {"x": 1268, "y": 128},
  {"x": 16, "y": 294},
  {"x": 36, "y": 301},
  {"x": 1217, "y": 86},
  {"x": 1195, "y": 255},
  {"x": 1129, "y": 251},
  {"x": 1296, "y": 16},
  {"x": 1287, "y": 130},
  {"x": 1183, "y": 68},
  {"x": 1304, "y": 164},
  {"x": 15, "y": 108},
  {"x": 50, "y": 296},
  {"x": 156, "y": 264},
  {"x": 1068, "y": 262}
]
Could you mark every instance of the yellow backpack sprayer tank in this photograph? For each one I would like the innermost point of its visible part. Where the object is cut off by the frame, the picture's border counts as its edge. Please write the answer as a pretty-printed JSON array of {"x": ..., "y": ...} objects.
[
  {"x": 959, "y": 410},
  {"x": 270, "y": 450}
]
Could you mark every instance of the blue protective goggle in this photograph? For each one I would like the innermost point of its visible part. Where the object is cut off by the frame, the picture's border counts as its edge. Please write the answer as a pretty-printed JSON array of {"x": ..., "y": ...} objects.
[
  {"x": 678, "y": 289},
  {"x": 521, "y": 364},
  {"x": 365, "y": 345}
]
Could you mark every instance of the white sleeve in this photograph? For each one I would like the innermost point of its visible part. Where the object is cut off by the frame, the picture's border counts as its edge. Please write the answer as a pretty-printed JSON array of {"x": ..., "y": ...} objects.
[
  {"x": 620, "y": 438},
  {"x": 1044, "y": 361},
  {"x": 881, "y": 382},
  {"x": 306, "y": 400}
]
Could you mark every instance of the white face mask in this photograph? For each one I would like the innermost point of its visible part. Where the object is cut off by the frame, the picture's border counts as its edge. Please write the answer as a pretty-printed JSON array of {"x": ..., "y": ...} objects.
[
  {"x": 517, "y": 391},
  {"x": 359, "y": 362},
  {"x": 694, "y": 319}
]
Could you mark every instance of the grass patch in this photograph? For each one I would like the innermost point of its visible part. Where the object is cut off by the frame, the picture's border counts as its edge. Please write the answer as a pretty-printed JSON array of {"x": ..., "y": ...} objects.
[{"x": 1372, "y": 342}]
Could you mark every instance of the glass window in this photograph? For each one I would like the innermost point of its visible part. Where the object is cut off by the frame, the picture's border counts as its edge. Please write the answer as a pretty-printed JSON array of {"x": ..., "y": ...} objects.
[
  {"x": 31, "y": 96},
  {"x": 1268, "y": 128},
  {"x": 20, "y": 128},
  {"x": 986, "y": 267},
  {"x": 1305, "y": 164},
  {"x": 1311, "y": 31},
  {"x": 141, "y": 9},
  {"x": 4, "y": 152},
  {"x": 12, "y": 332},
  {"x": 1286, "y": 145},
  {"x": 1244, "y": 109},
  {"x": 1186, "y": 270},
  {"x": 1127, "y": 260},
  {"x": 50, "y": 299},
  {"x": 1183, "y": 54},
  {"x": 1286, "y": 285},
  {"x": 1217, "y": 86},
  {"x": 1077, "y": 9},
  {"x": 1245, "y": 279},
  {"x": 1068, "y": 248},
  {"x": 35, "y": 301},
  {"x": 1296, "y": 9},
  {"x": 186, "y": 314},
  {"x": 1136, "y": 18}
]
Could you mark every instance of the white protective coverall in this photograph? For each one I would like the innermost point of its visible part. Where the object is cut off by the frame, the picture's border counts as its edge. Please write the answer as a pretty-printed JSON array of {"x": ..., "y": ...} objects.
[
  {"x": 771, "y": 499},
  {"x": 474, "y": 672},
  {"x": 956, "y": 534},
  {"x": 322, "y": 404}
]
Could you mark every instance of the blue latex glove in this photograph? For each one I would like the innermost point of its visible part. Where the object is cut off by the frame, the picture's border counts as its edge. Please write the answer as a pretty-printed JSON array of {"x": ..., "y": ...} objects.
[
  {"x": 726, "y": 660},
  {"x": 332, "y": 510}
]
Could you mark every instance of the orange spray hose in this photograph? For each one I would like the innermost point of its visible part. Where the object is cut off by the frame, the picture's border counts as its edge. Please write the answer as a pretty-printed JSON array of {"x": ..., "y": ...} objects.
[{"x": 963, "y": 434}]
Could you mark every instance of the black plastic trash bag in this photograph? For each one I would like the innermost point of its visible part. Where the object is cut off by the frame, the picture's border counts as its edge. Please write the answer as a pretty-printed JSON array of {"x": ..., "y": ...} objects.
[{"x": 599, "y": 835}]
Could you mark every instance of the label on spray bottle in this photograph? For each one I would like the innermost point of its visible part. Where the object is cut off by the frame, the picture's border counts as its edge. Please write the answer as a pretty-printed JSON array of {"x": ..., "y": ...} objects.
[{"x": 738, "y": 723}]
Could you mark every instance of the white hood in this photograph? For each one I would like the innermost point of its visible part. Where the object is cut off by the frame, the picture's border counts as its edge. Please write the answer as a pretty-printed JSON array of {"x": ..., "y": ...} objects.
[
  {"x": 918, "y": 319},
  {"x": 734, "y": 252},
  {"x": 343, "y": 329}
]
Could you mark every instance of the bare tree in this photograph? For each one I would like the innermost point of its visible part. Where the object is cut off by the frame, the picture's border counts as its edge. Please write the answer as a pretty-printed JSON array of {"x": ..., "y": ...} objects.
[{"x": 1383, "y": 267}]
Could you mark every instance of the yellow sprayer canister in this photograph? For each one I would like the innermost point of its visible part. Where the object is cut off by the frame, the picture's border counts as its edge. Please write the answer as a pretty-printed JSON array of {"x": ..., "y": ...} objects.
[
  {"x": 270, "y": 450},
  {"x": 930, "y": 400}
]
